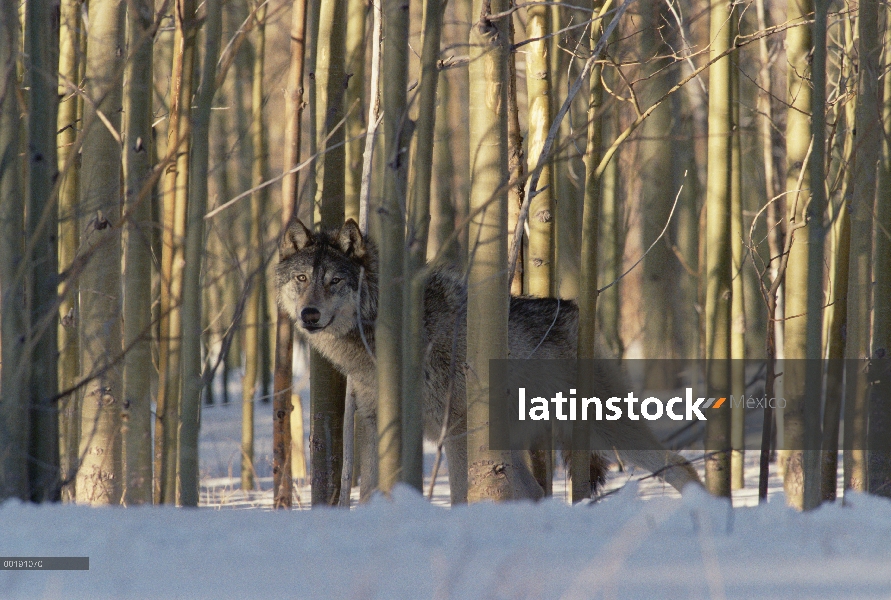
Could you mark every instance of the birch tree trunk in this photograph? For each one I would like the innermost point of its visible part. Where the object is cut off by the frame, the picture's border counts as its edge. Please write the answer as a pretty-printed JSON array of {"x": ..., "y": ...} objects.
[
  {"x": 491, "y": 474},
  {"x": 798, "y": 148},
  {"x": 540, "y": 264},
  {"x": 255, "y": 261},
  {"x": 737, "y": 308},
  {"x": 390, "y": 228},
  {"x": 176, "y": 200},
  {"x": 516, "y": 165},
  {"x": 590, "y": 253},
  {"x": 655, "y": 171},
  {"x": 813, "y": 387},
  {"x": 13, "y": 326},
  {"x": 880, "y": 398},
  {"x": 718, "y": 260},
  {"x": 70, "y": 111},
  {"x": 327, "y": 385},
  {"x": 100, "y": 473},
  {"x": 137, "y": 316},
  {"x": 540, "y": 251},
  {"x": 282, "y": 404},
  {"x": 867, "y": 146},
  {"x": 194, "y": 260},
  {"x": 41, "y": 60},
  {"x": 354, "y": 104},
  {"x": 414, "y": 342}
]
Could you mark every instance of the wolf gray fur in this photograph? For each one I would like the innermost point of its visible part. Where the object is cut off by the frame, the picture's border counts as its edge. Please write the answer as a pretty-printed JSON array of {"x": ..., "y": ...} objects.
[{"x": 327, "y": 282}]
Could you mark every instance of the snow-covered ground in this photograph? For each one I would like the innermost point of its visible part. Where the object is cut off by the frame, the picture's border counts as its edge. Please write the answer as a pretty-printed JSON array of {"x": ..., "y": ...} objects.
[
  {"x": 640, "y": 542},
  {"x": 624, "y": 547}
]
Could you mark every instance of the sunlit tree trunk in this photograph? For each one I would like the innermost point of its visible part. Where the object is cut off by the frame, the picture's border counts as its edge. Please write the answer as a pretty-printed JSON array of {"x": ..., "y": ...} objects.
[
  {"x": 70, "y": 110},
  {"x": 282, "y": 404},
  {"x": 176, "y": 200},
  {"x": 13, "y": 326},
  {"x": 718, "y": 260},
  {"x": 100, "y": 473},
  {"x": 568, "y": 167},
  {"x": 442, "y": 196},
  {"x": 138, "y": 255},
  {"x": 255, "y": 259},
  {"x": 516, "y": 165},
  {"x": 540, "y": 255},
  {"x": 491, "y": 474},
  {"x": 414, "y": 342},
  {"x": 798, "y": 148},
  {"x": 41, "y": 60},
  {"x": 580, "y": 465},
  {"x": 327, "y": 385},
  {"x": 540, "y": 249},
  {"x": 354, "y": 104},
  {"x": 193, "y": 321},
  {"x": 390, "y": 228},
  {"x": 737, "y": 308},
  {"x": 813, "y": 388},
  {"x": 654, "y": 167},
  {"x": 465, "y": 16},
  {"x": 837, "y": 301},
  {"x": 867, "y": 146},
  {"x": 610, "y": 244},
  {"x": 880, "y": 399},
  {"x": 775, "y": 242},
  {"x": 837, "y": 312}
]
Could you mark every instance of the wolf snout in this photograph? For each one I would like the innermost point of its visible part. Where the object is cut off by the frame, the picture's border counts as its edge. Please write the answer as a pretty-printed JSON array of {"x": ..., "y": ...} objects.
[{"x": 310, "y": 316}]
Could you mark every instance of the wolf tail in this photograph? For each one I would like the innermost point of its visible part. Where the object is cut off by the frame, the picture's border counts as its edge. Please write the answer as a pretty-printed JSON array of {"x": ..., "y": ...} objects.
[{"x": 670, "y": 466}]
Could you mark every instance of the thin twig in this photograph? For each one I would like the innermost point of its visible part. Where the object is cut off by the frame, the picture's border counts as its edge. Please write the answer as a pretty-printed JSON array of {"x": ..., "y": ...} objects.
[
  {"x": 653, "y": 245},
  {"x": 374, "y": 118},
  {"x": 544, "y": 156}
]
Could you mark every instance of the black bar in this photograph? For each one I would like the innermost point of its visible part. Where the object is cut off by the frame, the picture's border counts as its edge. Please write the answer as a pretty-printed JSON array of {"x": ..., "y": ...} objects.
[{"x": 44, "y": 563}]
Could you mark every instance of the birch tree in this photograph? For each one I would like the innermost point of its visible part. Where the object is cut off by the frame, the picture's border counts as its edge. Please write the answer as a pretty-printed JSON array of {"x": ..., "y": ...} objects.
[
  {"x": 867, "y": 146},
  {"x": 176, "y": 201},
  {"x": 255, "y": 255},
  {"x": 99, "y": 476},
  {"x": 415, "y": 273},
  {"x": 718, "y": 285},
  {"x": 590, "y": 252},
  {"x": 138, "y": 254},
  {"x": 390, "y": 228},
  {"x": 655, "y": 157},
  {"x": 41, "y": 64},
  {"x": 192, "y": 383},
  {"x": 70, "y": 112},
  {"x": 491, "y": 474},
  {"x": 880, "y": 398},
  {"x": 327, "y": 385},
  {"x": 13, "y": 332},
  {"x": 540, "y": 250},
  {"x": 282, "y": 405}
]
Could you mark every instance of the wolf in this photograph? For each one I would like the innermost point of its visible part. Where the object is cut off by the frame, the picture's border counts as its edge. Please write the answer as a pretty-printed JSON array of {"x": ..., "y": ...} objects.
[{"x": 327, "y": 282}]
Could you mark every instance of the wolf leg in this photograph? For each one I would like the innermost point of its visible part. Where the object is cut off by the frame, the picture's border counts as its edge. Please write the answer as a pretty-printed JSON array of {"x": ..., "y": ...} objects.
[{"x": 670, "y": 466}]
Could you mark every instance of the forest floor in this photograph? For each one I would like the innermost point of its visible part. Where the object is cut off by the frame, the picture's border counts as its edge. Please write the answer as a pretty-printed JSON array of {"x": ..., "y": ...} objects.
[{"x": 641, "y": 540}]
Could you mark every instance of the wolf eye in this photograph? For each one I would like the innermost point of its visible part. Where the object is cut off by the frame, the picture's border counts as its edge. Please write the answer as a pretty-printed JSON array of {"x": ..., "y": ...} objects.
[
  {"x": 301, "y": 277},
  {"x": 335, "y": 280}
]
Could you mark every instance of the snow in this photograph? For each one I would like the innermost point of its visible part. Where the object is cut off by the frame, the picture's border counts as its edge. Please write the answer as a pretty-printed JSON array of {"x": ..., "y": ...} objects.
[
  {"x": 641, "y": 541},
  {"x": 623, "y": 547}
]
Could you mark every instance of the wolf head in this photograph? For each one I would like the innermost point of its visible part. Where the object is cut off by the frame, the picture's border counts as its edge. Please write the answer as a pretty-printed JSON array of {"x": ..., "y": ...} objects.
[{"x": 320, "y": 275}]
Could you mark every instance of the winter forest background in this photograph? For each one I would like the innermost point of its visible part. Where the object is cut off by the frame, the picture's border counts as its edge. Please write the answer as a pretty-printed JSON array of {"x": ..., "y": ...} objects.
[{"x": 708, "y": 179}]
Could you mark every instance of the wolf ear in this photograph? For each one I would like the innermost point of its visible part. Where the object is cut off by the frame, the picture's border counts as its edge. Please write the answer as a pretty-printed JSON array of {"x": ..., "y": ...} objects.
[
  {"x": 350, "y": 239},
  {"x": 296, "y": 238}
]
